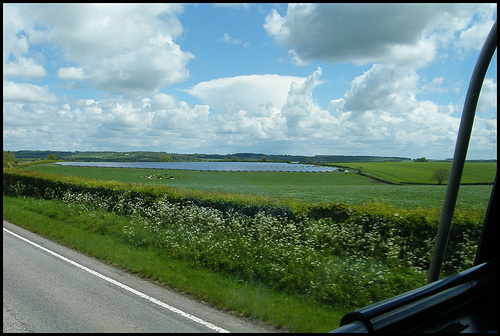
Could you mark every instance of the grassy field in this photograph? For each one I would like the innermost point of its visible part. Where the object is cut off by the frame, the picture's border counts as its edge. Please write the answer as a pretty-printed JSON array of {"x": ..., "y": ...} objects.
[
  {"x": 346, "y": 188},
  {"x": 421, "y": 172}
]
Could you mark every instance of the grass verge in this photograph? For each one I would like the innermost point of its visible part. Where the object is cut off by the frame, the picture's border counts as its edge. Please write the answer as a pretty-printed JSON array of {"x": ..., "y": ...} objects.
[{"x": 55, "y": 220}]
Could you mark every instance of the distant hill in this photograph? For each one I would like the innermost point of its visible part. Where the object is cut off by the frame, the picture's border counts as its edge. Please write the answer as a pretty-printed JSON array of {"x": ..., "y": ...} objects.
[
  {"x": 39, "y": 154},
  {"x": 145, "y": 156}
]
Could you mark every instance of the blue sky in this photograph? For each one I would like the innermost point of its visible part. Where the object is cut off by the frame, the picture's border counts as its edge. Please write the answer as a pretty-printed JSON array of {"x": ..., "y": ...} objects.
[{"x": 352, "y": 79}]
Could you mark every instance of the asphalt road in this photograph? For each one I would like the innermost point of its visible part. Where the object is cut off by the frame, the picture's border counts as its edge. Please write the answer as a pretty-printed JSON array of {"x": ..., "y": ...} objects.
[{"x": 50, "y": 288}]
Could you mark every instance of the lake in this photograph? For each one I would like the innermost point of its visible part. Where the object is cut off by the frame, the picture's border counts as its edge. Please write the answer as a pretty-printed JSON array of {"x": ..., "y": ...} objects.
[{"x": 209, "y": 166}]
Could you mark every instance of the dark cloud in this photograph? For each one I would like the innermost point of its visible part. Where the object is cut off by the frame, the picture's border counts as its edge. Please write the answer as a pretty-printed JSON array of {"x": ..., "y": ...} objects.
[{"x": 359, "y": 33}]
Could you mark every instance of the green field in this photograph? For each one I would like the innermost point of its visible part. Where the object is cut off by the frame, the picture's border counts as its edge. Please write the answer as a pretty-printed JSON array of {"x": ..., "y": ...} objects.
[
  {"x": 347, "y": 188},
  {"x": 421, "y": 172}
]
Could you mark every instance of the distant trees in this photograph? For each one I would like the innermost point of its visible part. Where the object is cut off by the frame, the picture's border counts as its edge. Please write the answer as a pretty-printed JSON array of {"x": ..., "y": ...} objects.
[
  {"x": 164, "y": 158},
  {"x": 440, "y": 175},
  {"x": 422, "y": 159},
  {"x": 9, "y": 159}
]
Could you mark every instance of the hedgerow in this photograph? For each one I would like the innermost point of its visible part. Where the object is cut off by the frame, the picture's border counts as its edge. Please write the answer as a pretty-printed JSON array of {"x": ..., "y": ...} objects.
[{"x": 48, "y": 186}]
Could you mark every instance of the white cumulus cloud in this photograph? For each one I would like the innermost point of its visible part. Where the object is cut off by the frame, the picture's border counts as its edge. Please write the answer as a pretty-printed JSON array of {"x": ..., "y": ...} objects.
[
  {"x": 24, "y": 68},
  {"x": 26, "y": 93},
  {"x": 127, "y": 50},
  {"x": 245, "y": 92},
  {"x": 71, "y": 73}
]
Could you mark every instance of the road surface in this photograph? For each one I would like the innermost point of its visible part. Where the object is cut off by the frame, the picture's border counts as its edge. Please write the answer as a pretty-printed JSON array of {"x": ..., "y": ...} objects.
[{"x": 50, "y": 288}]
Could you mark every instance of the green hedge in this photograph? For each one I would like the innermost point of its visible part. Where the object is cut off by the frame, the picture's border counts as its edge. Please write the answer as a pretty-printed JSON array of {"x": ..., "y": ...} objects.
[{"x": 48, "y": 186}]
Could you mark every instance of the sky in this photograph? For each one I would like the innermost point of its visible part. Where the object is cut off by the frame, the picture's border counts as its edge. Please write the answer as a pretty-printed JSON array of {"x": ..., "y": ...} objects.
[{"x": 298, "y": 79}]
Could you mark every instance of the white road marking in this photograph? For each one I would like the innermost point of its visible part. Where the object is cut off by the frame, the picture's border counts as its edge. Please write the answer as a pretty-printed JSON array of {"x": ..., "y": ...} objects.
[{"x": 125, "y": 287}]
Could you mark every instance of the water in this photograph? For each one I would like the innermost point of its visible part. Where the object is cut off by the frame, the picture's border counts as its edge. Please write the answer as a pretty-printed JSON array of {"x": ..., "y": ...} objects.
[{"x": 209, "y": 166}]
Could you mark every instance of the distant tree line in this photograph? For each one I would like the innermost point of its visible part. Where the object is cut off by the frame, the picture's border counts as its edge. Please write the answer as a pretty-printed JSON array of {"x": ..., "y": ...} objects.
[
  {"x": 10, "y": 160},
  {"x": 148, "y": 156},
  {"x": 164, "y": 158}
]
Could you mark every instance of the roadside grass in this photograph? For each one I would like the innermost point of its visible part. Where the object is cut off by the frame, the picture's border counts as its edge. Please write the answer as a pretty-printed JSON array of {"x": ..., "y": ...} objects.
[{"x": 95, "y": 233}]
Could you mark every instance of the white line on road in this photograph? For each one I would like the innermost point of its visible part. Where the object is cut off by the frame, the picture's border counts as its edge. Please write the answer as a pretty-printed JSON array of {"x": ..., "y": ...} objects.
[{"x": 125, "y": 287}]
